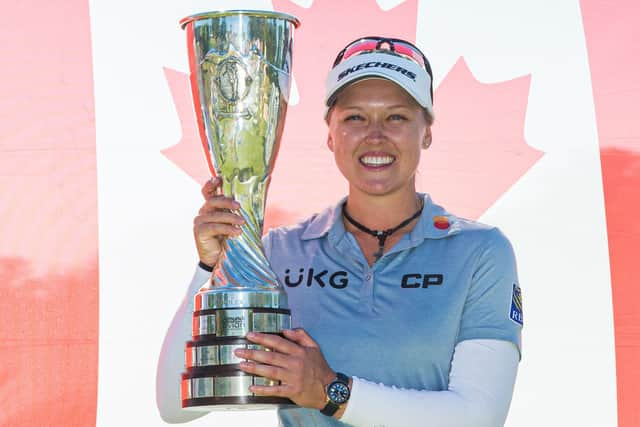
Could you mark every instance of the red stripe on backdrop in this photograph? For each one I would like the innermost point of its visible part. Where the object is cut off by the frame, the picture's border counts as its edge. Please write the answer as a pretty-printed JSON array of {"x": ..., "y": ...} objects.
[
  {"x": 612, "y": 36},
  {"x": 48, "y": 216}
]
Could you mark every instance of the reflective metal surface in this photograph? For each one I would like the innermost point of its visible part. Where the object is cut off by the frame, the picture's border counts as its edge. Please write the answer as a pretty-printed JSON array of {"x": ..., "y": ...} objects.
[
  {"x": 241, "y": 76},
  {"x": 204, "y": 324},
  {"x": 246, "y": 12},
  {"x": 226, "y": 353},
  {"x": 222, "y": 386},
  {"x": 232, "y": 323},
  {"x": 201, "y": 356},
  {"x": 267, "y": 322},
  {"x": 264, "y": 381},
  {"x": 214, "y": 298},
  {"x": 233, "y": 386},
  {"x": 238, "y": 322},
  {"x": 284, "y": 321},
  {"x": 215, "y": 354},
  {"x": 240, "y": 64}
]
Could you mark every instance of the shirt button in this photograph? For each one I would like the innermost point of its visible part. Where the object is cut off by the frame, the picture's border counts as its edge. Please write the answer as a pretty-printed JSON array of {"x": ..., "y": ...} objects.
[{"x": 368, "y": 277}]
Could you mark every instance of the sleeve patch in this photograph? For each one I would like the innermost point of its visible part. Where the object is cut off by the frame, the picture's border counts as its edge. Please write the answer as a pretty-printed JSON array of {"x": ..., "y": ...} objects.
[{"x": 516, "y": 305}]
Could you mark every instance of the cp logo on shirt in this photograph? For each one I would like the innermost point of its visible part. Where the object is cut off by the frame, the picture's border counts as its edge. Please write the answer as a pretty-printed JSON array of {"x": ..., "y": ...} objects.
[{"x": 417, "y": 280}]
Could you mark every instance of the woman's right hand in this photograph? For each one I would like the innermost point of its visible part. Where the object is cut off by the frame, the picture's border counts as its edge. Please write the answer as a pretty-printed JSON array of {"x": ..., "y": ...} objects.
[{"x": 215, "y": 222}]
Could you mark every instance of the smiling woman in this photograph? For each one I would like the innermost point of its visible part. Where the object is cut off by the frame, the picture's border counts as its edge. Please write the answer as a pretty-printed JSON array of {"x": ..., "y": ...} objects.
[
  {"x": 357, "y": 355},
  {"x": 376, "y": 131}
]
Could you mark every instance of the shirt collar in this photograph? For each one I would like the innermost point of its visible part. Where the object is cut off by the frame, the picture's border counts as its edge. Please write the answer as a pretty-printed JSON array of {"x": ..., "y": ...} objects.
[
  {"x": 328, "y": 219},
  {"x": 434, "y": 223}
]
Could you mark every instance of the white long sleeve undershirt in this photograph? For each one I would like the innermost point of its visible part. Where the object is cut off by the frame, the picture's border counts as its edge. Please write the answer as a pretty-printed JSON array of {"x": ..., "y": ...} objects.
[
  {"x": 481, "y": 382},
  {"x": 171, "y": 361}
]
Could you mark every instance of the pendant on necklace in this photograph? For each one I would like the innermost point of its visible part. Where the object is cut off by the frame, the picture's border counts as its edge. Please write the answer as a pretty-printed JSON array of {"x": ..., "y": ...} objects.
[{"x": 381, "y": 235}]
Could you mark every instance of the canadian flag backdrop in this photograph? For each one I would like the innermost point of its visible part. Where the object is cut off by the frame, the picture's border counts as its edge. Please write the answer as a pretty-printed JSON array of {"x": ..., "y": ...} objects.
[{"x": 100, "y": 169}]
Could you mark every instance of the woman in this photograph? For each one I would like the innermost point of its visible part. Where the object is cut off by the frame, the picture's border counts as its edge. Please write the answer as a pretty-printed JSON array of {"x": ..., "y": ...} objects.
[{"x": 408, "y": 315}]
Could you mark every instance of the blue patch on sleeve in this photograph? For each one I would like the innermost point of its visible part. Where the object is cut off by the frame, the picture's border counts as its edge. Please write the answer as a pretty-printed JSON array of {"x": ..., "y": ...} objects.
[{"x": 516, "y": 305}]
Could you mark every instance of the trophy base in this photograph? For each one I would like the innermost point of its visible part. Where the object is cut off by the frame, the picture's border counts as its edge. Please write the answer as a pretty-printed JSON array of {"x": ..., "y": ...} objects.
[
  {"x": 235, "y": 403},
  {"x": 213, "y": 380},
  {"x": 225, "y": 387}
]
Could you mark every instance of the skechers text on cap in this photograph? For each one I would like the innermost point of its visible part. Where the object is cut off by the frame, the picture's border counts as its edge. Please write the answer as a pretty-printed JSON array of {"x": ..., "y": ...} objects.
[{"x": 403, "y": 71}]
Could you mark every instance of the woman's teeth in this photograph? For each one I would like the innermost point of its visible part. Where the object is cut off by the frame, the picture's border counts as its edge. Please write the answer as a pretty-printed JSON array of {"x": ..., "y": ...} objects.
[{"x": 376, "y": 160}]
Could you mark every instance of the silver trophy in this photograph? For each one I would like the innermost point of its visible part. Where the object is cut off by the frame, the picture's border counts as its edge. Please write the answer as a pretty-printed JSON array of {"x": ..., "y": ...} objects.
[{"x": 240, "y": 64}]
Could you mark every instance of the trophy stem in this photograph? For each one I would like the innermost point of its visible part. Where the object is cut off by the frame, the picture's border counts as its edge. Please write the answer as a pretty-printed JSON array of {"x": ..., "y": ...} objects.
[{"x": 245, "y": 264}]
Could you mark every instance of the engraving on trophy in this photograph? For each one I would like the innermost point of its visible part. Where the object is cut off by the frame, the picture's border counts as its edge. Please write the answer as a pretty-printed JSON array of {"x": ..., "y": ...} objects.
[
  {"x": 233, "y": 80},
  {"x": 229, "y": 79},
  {"x": 232, "y": 323}
]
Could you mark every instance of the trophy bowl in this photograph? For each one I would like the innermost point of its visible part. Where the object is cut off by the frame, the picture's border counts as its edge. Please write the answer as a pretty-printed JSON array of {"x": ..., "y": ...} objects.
[{"x": 240, "y": 64}]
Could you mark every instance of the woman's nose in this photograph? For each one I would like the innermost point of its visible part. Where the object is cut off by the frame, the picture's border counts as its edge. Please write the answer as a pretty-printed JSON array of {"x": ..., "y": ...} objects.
[{"x": 375, "y": 131}]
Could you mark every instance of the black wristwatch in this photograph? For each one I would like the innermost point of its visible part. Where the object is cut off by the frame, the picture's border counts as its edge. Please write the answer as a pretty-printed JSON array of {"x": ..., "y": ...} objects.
[{"x": 337, "y": 394}]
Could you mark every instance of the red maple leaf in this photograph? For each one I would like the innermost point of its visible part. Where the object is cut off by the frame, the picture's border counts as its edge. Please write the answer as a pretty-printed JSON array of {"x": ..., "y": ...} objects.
[
  {"x": 478, "y": 151},
  {"x": 186, "y": 154}
]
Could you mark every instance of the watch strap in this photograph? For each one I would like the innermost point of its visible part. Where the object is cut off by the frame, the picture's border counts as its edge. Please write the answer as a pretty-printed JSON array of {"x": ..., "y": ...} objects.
[{"x": 331, "y": 407}]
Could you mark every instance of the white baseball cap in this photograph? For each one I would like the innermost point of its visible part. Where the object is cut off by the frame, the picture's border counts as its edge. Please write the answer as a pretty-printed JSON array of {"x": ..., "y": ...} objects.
[{"x": 385, "y": 64}]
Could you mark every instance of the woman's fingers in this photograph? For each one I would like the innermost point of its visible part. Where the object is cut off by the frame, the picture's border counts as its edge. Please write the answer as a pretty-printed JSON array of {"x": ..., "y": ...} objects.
[
  {"x": 208, "y": 231},
  {"x": 268, "y": 357},
  {"x": 210, "y": 188},
  {"x": 274, "y": 342},
  {"x": 266, "y": 371},
  {"x": 215, "y": 222},
  {"x": 218, "y": 217},
  {"x": 271, "y": 390},
  {"x": 296, "y": 361},
  {"x": 301, "y": 337},
  {"x": 215, "y": 203}
]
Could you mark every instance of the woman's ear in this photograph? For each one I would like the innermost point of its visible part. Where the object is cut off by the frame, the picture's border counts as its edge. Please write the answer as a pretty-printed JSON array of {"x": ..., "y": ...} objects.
[
  {"x": 330, "y": 142},
  {"x": 426, "y": 142}
]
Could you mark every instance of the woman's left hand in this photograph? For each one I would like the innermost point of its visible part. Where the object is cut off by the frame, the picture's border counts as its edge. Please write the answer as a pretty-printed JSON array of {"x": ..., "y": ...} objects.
[{"x": 296, "y": 362}]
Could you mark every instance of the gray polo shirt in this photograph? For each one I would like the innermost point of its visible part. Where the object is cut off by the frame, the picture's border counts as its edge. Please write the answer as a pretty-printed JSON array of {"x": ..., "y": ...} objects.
[{"x": 398, "y": 321}]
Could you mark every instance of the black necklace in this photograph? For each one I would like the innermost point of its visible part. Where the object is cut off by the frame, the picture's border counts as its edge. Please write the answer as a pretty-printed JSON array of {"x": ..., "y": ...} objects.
[{"x": 380, "y": 234}]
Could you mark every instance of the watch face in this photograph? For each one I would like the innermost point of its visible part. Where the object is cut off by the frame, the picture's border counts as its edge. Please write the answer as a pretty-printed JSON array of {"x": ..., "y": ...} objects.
[{"x": 338, "y": 392}]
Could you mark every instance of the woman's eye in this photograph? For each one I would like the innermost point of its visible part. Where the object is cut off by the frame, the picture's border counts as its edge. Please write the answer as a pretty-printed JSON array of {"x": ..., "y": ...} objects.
[
  {"x": 397, "y": 117},
  {"x": 354, "y": 117}
]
